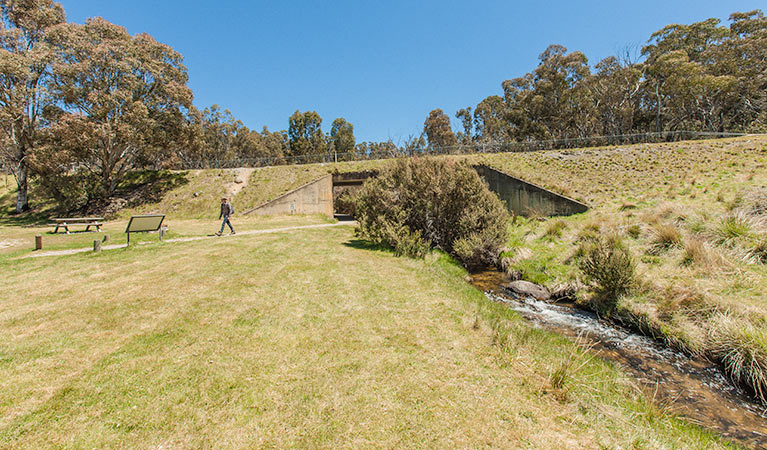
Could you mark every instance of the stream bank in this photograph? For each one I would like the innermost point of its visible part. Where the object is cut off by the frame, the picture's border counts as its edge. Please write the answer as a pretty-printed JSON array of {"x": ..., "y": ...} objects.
[{"x": 696, "y": 388}]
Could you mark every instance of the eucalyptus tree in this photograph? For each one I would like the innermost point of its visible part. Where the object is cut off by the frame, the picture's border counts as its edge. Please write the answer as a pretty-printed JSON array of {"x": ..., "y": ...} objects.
[
  {"x": 25, "y": 75},
  {"x": 438, "y": 132},
  {"x": 342, "y": 138},
  {"x": 464, "y": 115},
  {"x": 121, "y": 96},
  {"x": 305, "y": 134}
]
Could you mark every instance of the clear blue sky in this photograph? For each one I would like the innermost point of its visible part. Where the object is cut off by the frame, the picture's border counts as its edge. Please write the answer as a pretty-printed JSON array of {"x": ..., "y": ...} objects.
[{"x": 383, "y": 65}]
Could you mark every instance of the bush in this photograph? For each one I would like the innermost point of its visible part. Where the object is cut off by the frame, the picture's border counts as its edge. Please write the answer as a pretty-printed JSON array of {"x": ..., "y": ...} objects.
[
  {"x": 608, "y": 265},
  {"x": 442, "y": 202},
  {"x": 345, "y": 203}
]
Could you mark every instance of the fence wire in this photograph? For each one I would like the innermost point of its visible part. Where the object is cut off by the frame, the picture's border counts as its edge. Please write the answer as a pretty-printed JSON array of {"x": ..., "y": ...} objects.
[{"x": 461, "y": 149}]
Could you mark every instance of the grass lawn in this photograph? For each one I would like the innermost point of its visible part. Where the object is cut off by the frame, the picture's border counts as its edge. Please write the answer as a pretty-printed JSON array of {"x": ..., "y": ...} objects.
[
  {"x": 305, "y": 339},
  {"x": 19, "y": 241}
]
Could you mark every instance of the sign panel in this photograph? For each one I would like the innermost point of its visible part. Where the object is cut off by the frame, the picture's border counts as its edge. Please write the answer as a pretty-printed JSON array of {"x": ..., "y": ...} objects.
[{"x": 149, "y": 222}]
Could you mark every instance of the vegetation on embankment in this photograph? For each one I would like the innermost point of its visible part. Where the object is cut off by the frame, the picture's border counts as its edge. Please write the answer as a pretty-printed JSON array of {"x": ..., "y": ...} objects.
[
  {"x": 305, "y": 339},
  {"x": 692, "y": 217}
]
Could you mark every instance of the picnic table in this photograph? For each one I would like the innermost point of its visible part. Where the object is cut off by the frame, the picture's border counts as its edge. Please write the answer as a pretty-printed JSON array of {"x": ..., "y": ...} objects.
[{"x": 66, "y": 222}]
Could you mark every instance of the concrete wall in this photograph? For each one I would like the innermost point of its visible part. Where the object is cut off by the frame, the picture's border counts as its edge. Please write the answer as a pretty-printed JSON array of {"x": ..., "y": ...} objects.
[
  {"x": 523, "y": 198},
  {"x": 350, "y": 181},
  {"x": 312, "y": 198}
]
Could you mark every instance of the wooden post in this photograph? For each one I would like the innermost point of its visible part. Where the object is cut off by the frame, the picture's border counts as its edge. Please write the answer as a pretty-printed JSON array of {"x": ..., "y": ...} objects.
[
  {"x": 106, "y": 238},
  {"x": 39, "y": 242},
  {"x": 97, "y": 246}
]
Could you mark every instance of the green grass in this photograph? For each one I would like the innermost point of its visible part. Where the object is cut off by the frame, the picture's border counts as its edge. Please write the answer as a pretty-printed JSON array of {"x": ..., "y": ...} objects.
[{"x": 305, "y": 339}]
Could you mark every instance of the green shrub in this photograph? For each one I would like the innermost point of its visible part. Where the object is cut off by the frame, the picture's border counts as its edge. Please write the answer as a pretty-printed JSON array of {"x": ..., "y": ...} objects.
[
  {"x": 445, "y": 202},
  {"x": 345, "y": 203},
  {"x": 609, "y": 267}
]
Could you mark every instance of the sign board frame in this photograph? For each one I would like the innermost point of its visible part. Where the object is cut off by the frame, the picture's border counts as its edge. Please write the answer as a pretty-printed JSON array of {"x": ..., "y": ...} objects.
[{"x": 144, "y": 224}]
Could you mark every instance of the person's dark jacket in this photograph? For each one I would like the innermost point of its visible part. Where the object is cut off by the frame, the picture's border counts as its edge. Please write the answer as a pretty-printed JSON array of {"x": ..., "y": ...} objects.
[{"x": 226, "y": 210}]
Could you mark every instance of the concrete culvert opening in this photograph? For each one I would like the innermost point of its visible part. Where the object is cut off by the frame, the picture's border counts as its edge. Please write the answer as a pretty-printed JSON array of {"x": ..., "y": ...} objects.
[{"x": 345, "y": 188}]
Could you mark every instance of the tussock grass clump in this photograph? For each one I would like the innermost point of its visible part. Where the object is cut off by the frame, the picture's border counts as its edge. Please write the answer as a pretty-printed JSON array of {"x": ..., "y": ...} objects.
[
  {"x": 554, "y": 228},
  {"x": 664, "y": 237},
  {"x": 695, "y": 253},
  {"x": 634, "y": 231},
  {"x": 610, "y": 268},
  {"x": 742, "y": 348},
  {"x": 755, "y": 202},
  {"x": 733, "y": 227},
  {"x": 758, "y": 253},
  {"x": 590, "y": 232}
]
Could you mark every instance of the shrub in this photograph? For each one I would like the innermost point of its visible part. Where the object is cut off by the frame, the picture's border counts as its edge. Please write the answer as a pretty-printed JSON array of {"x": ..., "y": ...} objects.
[
  {"x": 609, "y": 267},
  {"x": 345, "y": 203},
  {"x": 445, "y": 203}
]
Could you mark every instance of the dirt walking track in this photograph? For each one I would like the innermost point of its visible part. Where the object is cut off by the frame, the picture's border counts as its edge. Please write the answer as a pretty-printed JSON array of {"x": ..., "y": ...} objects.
[{"x": 73, "y": 251}]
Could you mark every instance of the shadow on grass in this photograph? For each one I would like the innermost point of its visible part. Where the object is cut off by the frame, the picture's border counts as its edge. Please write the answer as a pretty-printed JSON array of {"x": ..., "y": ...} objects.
[
  {"x": 362, "y": 244},
  {"x": 149, "y": 186},
  {"x": 138, "y": 188}
]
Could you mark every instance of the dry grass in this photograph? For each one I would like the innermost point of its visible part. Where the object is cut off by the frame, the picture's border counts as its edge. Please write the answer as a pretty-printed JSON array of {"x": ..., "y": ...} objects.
[
  {"x": 298, "y": 340},
  {"x": 663, "y": 237},
  {"x": 695, "y": 213}
]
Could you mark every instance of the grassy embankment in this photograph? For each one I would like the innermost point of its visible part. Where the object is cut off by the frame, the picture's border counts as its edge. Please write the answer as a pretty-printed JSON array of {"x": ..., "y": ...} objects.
[
  {"x": 694, "y": 216},
  {"x": 303, "y": 339}
]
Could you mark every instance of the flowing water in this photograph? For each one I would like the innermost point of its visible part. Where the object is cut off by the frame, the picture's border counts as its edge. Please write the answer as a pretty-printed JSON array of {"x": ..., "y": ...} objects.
[{"x": 696, "y": 388}]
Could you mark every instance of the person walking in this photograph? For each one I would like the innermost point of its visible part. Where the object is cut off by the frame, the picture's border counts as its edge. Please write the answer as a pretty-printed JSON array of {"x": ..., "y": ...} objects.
[{"x": 226, "y": 211}]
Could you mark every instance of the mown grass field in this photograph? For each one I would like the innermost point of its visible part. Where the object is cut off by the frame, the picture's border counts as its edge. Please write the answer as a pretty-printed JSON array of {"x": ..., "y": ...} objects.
[{"x": 306, "y": 339}]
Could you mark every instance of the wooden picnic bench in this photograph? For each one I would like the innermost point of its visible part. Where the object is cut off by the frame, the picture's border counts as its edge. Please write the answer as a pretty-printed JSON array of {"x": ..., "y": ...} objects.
[{"x": 66, "y": 222}]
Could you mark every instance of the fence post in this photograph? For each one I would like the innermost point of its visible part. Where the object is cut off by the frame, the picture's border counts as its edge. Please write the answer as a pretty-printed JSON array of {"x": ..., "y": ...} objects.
[
  {"x": 97, "y": 246},
  {"x": 39, "y": 242}
]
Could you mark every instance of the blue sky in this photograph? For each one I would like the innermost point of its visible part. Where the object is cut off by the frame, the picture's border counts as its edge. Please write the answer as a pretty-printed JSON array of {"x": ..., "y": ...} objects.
[{"x": 381, "y": 65}]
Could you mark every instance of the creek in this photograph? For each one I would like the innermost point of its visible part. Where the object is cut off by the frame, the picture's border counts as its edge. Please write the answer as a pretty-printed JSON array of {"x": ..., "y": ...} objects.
[{"x": 695, "y": 388}]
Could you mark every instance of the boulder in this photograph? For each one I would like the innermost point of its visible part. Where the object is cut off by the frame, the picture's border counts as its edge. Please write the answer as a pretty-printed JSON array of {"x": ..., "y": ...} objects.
[{"x": 528, "y": 289}]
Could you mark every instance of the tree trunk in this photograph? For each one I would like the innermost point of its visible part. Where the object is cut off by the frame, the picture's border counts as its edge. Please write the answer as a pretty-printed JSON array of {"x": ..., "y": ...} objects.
[{"x": 22, "y": 196}]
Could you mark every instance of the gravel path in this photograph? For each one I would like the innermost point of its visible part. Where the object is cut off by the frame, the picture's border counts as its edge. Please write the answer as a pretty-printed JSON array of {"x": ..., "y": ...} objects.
[{"x": 73, "y": 251}]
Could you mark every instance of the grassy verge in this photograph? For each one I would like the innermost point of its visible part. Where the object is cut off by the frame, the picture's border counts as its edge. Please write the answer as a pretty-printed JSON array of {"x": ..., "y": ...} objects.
[{"x": 297, "y": 340}]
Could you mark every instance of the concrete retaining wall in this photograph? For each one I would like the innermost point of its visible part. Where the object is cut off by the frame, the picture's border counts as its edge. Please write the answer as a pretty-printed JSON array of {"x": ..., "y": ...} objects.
[
  {"x": 312, "y": 198},
  {"x": 523, "y": 198}
]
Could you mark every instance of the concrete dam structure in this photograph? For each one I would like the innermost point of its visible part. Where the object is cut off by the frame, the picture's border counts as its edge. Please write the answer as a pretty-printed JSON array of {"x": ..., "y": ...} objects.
[
  {"x": 521, "y": 198},
  {"x": 315, "y": 197},
  {"x": 524, "y": 198}
]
